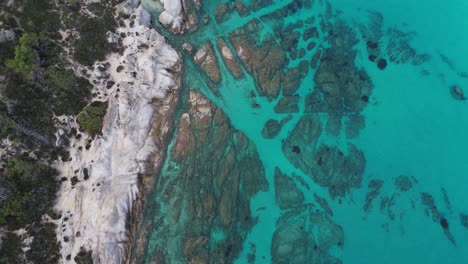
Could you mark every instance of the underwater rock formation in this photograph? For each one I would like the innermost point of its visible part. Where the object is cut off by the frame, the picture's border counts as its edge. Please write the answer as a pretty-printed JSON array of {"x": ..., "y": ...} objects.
[
  {"x": 328, "y": 166},
  {"x": 201, "y": 213},
  {"x": 464, "y": 220},
  {"x": 306, "y": 236},
  {"x": 432, "y": 211},
  {"x": 273, "y": 127},
  {"x": 288, "y": 195},
  {"x": 457, "y": 92},
  {"x": 374, "y": 187}
]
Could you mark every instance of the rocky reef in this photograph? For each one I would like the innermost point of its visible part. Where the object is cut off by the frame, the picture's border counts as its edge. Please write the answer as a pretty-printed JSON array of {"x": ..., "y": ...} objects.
[
  {"x": 306, "y": 236},
  {"x": 201, "y": 210}
]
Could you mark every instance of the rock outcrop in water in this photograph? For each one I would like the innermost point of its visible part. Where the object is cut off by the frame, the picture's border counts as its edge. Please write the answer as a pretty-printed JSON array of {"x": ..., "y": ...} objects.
[
  {"x": 201, "y": 213},
  {"x": 265, "y": 61},
  {"x": 206, "y": 59}
]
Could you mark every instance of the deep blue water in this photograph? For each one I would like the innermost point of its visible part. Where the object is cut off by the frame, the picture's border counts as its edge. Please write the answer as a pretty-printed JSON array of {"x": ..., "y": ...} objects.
[{"x": 414, "y": 127}]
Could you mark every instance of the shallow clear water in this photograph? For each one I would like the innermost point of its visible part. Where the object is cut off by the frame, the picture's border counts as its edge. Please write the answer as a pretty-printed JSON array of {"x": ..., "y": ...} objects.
[{"x": 413, "y": 127}]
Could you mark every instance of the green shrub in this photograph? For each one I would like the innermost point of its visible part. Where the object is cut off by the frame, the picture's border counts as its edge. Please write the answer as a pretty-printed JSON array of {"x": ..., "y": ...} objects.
[
  {"x": 10, "y": 249},
  {"x": 90, "y": 119},
  {"x": 33, "y": 188},
  {"x": 26, "y": 60},
  {"x": 44, "y": 247}
]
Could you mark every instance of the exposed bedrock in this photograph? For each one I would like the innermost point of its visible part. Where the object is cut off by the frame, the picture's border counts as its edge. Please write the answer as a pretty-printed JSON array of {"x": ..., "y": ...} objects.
[
  {"x": 305, "y": 235},
  {"x": 265, "y": 61},
  {"x": 101, "y": 203},
  {"x": 202, "y": 212},
  {"x": 206, "y": 59},
  {"x": 229, "y": 58}
]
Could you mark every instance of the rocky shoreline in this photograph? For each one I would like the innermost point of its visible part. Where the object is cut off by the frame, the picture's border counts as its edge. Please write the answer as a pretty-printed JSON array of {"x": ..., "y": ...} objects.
[{"x": 110, "y": 175}]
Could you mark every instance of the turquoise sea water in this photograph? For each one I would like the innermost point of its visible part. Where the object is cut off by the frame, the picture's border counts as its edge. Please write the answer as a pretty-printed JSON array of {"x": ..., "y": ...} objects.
[{"x": 413, "y": 127}]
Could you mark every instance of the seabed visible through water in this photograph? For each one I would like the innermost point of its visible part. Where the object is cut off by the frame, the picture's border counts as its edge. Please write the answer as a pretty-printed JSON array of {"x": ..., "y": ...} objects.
[{"x": 404, "y": 136}]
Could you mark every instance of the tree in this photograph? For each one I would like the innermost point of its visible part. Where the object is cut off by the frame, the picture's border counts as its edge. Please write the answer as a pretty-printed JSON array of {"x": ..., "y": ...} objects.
[{"x": 26, "y": 60}]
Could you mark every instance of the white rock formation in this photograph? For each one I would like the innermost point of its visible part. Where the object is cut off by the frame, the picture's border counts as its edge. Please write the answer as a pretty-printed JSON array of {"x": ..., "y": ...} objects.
[
  {"x": 172, "y": 17},
  {"x": 95, "y": 210}
]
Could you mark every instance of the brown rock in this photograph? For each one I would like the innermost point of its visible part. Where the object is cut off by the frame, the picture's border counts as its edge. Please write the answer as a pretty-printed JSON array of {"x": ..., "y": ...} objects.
[
  {"x": 293, "y": 77},
  {"x": 206, "y": 59},
  {"x": 229, "y": 59},
  {"x": 223, "y": 12},
  {"x": 242, "y": 9},
  {"x": 288, "y": 104}
]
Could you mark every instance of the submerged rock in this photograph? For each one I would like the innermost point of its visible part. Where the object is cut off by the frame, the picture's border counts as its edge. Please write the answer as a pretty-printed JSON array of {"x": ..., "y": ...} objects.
[
  {"x": 272, "y": 127},
  {"x": 242, "y": 9},
  {"x": 457, "y": 92},
  {"x": 403, "y": 183},
  {"x": 328, "y": 166},
  {"x": 214, "y": 171},
  {"x": 304, "y": 235},
  {"x": 288, "y": 104},
  {"x": 287, "y": 194},
  {"x": 432, "y": 211},
  {"x": 464, "y": 220}
]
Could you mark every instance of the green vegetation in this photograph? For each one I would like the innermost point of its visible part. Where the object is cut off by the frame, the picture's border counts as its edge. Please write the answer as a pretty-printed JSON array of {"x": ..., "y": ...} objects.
[
  {"x": 33, "y": 188},
  {"x": 26, "y": 60},
  {"x": 37, "y": 83},
  {"x": 44, "y": 247},
  {"x": 90, "y": 119},
  {"x": 83, "y": 257},
  {"x": 37, "y": 16},
  {"x": 92, "y": 44},
  {"x": 10, "y": 251}
]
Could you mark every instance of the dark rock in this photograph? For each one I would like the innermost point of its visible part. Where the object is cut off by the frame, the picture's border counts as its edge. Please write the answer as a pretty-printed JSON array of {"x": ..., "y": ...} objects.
[
  {"x": 457, "y": 92},
  {"x": 74, "y": 180},
  {"x": 403, "y": 183},
  {"x": 372, "y": 57},
  {"x": 464, "y": 220},
  {"x": 86, "y": 174},
  {"x": 296, "y": 149},
  {"x": 382, "y": 64},
  {"x": 310, "y": 33},
  {"x": 272, "y": 127},
  {"x": 444, "y": 223},
  {"x": 372, "y": 45}
]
